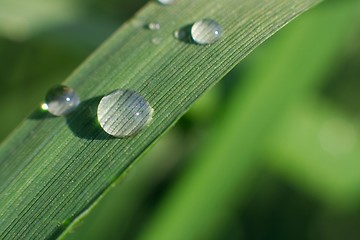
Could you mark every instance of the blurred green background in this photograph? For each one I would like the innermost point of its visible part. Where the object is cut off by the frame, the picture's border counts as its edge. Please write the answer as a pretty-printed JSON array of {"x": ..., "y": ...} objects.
[{"x": 301, "y": 181}]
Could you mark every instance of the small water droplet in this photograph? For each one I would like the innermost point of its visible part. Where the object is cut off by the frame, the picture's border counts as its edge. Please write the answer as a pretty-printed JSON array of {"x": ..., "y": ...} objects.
[
  {"x": 206, "y": 31},
  {"x": 156, "y": 40},
  {"x": 166, "y": 2},
  {"x": 180, "y": 34},
  {"x": 61, "y": 100},
  {"x": 154, "y": 26},
  {"x": 183, "y": 34},
  {"x": 123, "y": 113}
]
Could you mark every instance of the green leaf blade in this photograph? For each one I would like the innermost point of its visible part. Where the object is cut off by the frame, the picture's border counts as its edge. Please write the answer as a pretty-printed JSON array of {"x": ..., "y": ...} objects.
[{"x": 53, "y": 169}]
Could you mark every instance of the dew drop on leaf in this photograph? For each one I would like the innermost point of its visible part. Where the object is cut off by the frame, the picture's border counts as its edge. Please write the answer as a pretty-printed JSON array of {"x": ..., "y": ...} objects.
[
  {"x": 206, "y": 31},
  {"x": 123, "y": 113},
  {"x": 61, "y": 100},
  {"x": 154, "y": 26},
  {"x": 180, "y": 34}
]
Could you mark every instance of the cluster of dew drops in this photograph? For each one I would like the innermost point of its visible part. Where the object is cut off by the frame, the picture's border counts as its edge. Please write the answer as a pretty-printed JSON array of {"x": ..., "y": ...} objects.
[{"x": 123, "y": 112}]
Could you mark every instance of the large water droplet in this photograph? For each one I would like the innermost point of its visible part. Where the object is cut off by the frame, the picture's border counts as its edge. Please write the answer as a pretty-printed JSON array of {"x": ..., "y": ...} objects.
[
  {"x": 206, "y": 31},
  {"x": 166, "y": 2},
  {"x": 61, "y": 100},
  {"x": 123, "y": 113}
]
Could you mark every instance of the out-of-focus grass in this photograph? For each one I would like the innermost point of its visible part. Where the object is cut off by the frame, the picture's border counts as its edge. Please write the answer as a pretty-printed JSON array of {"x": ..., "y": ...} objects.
[
  {"x": 315, "y": 144},
  {"x": 321, "y": 152},
  {"x": 292, "y": 65},
  {"x": 19, "y": 23},
  {"x": 318, "y": 143}
]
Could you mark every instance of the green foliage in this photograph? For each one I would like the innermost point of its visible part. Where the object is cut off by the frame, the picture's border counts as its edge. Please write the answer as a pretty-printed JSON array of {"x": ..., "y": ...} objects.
[
  {"x": 18, "y": 22},
  {"x": 274, "y": 113}
]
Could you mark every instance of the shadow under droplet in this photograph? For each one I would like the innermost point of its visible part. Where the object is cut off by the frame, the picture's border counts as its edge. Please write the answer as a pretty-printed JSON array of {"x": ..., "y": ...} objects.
[
  {"x": 184, "y": 34},
  {"x": 41, "y": 114},
  {"x": 83, "y": 121}
]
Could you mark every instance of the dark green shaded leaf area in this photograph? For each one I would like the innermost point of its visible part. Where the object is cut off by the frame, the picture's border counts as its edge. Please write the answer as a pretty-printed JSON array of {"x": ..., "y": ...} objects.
[{"x": 53, "y": 169}]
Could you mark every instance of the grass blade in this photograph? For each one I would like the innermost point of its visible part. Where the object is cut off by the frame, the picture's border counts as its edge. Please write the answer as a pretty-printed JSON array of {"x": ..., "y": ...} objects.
[
  {"x": 54, "y": 169},
  {"x": 206, "y": 195}
]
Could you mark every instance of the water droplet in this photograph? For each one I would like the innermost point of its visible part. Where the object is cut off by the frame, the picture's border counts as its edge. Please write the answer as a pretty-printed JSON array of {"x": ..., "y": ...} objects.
[
  {"x": 123, "y": 113},
  {"x": 180, "y": 34},
  {"x": 61, "y": 100},
  {"x": 154, "y": 26},
  {"x": 184, "y": 34},
  {"x": 166, "y": 2},
  {"x": 206, "y": 31}
]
